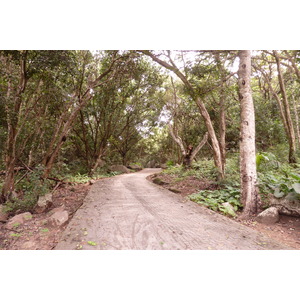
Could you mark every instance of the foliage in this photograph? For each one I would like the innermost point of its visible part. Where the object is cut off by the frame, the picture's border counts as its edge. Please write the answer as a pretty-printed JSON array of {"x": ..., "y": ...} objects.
[
  {"x": 283, "y": 182},
  {"x": 31, "y": 187},
  {"x": 170, "y": 163},
  {"x": 214, "y": 199}
]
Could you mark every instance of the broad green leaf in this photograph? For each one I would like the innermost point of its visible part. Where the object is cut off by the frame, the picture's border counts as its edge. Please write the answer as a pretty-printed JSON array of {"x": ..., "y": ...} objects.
[
  {"x": 296, "y": 187},
  {"x": 292, "y": 196},
  {"x": 277, "y": 193}
]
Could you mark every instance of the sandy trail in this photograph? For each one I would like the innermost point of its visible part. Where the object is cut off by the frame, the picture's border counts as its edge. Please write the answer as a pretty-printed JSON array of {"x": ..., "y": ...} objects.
[{"x": 129, "y": 212}]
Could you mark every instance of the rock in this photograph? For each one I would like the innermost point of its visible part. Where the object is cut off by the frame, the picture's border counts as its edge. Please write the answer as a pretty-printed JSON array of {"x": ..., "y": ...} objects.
[
  {"x": 268, "y": 216},
  {"x": 164, "y": 166},
  {"x": 151, "y": 164},
  {"x": 44, "y": 203},
  {"x": 135, "y": 167},
  {"x": 56, "y": 209},
  {"x": 59, "y": 218},
  {"x": 92, "y": 181},
  {"x": 3, "y": 214},
  {"x": 118, "y": 168},
  {"x": 30, "y": 245},
  {"x": 290, "y": 205},
  {"x": 229, "y": 209},
  {"x": 174, "y": 190},
  {"x": 18, "y": 219},
  {"x": 158, "y": 181}
]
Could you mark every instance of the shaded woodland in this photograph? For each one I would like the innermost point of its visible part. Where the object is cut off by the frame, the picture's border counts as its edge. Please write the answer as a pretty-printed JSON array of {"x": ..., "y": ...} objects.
[{"x": 230, "y": 116}]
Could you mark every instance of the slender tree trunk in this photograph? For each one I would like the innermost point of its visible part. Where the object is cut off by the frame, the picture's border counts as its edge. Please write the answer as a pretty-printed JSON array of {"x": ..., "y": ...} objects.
[
  {"x": 50, "y": 158},
  {"x": 288, "y": 117},
  {"x": 296, "y": 120},
  {"x": 222, "y": 130},
  {"x": 248, "y": 175},
  {"x": 12, "y": 112},
  {"x": 98, "y": 161},
  {"x": 214, "y": 141}
]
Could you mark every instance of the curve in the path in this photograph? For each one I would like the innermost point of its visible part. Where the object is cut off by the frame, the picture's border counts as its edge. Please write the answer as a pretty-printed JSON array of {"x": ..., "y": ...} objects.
[{"x": 129, "y": 212}]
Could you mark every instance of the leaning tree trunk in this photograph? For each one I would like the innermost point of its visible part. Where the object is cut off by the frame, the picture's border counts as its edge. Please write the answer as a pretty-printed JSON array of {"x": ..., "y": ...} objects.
[
  {"x": 286, "y": 105},
  {"x": 248, "y": 175},
  {"x": 203, "y": 111}
]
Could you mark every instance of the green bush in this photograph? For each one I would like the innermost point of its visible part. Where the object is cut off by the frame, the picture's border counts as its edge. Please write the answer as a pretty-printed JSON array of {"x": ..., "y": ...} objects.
[
  {"x": 170, "y": 163},
  {"x": 31, "y": 187}
]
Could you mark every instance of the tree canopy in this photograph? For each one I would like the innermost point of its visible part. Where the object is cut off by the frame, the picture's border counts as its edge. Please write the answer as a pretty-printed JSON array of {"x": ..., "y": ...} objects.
[{"x": 70, "y": 112}]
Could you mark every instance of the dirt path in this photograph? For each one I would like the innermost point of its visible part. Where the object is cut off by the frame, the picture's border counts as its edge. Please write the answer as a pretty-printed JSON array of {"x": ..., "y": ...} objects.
[{"x": 129, "y": 212}]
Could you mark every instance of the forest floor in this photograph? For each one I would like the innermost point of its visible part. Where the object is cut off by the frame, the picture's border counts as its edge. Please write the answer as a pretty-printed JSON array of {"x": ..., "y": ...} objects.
[
  {"x": 286, "y": 231},
  {"x": 34, "y": 234}
]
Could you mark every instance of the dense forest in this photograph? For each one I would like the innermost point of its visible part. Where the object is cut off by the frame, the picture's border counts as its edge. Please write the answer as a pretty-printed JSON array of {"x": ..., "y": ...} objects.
[{"x": 230, "y": 116}]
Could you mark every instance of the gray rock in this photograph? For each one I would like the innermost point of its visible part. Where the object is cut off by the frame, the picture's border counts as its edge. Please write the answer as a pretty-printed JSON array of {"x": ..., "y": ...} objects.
[
  {"x": 18, "y": 219},
  {"x": 3, "y": 214},
  {"x": 289, "y": 205},
  {"x": 44, "y": 203},
  {"x": 268, "y": 216},
  {"x": 135, "y": 167},
  {"x": 92, "y": 181},
  {"x": 119, "y": 168},
  {"x": 151, "y": 164},
  {"x": 59, "y": 218},
  {"x": 229, "y": 209}
]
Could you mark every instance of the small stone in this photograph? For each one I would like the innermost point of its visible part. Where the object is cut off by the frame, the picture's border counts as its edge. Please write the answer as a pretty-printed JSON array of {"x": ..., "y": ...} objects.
[
  {"x": 44, "y": 203},
  {"x": 18, "y": 219},
  {"x": 59, "y": 218},
  {"x": 268, "y": 216},
  {"x": 92, "y": 181},
  {"x": 30, "y": 245}
]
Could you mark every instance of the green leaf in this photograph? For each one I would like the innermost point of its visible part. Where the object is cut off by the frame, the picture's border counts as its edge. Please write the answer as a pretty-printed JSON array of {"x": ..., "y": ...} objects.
[
  {"x": 92, "y": 243},
  {"x": 296, "y": 187},
  {"x": 277, "y": 193},
  {"x": 292, "y": 196}
]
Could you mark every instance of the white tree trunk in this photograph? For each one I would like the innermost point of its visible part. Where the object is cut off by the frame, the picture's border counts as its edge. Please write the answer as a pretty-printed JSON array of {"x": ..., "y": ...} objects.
[{"x": 249, "y": 194}]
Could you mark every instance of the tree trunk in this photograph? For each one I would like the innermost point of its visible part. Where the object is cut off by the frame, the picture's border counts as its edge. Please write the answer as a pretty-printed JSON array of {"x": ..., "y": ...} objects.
[
  {"x": 203, "y": 111},
  {"x": 214, "y": 141},
  {"x": 12, "y": 124},
  {"x": 296, "y": 121},
  {"x": 286, "y": 105},
  {"x": 248, "y": 175}
]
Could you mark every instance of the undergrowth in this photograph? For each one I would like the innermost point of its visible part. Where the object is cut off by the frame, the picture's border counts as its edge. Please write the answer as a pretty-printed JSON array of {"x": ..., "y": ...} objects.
[{"x": 275, "y": 178}]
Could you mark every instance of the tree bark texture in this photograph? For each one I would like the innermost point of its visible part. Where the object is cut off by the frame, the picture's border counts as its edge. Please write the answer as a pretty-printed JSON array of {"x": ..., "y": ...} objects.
[
  {"x": 249, "y": 193},
  {"x": 287, "y": 111}
]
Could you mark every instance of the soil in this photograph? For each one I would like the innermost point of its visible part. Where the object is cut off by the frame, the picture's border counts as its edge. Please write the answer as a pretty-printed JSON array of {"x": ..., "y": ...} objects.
[
  {"x": 286, "y": 231},
  {"x": 35, "y": 235}
]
